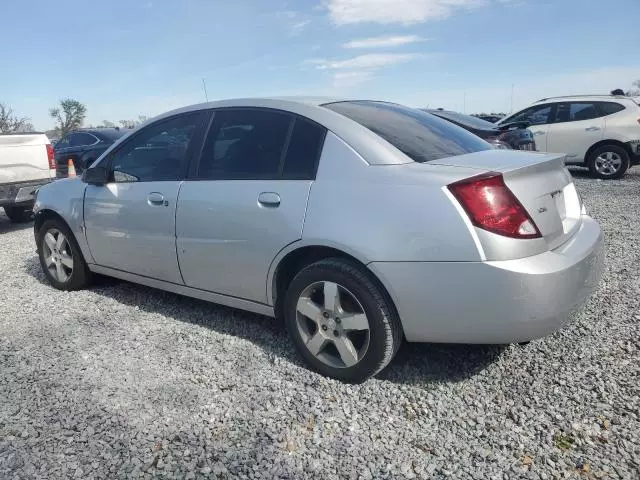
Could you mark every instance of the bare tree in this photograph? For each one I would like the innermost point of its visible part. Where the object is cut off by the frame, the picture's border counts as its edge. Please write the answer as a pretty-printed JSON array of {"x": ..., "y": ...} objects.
[
  {"x": 634, "y": 92},
  {"x": 133, "y": 123},
  {"x": 69, "y": 115},
  {"x": 10, "y": 123}
]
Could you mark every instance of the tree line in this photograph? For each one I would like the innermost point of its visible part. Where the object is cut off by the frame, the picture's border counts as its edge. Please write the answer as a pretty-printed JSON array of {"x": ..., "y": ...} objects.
[{"x": 68, "y": 115}]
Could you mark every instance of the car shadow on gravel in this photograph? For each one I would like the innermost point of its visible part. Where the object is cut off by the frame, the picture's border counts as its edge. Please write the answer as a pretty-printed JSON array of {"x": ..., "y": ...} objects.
[
  {"x": 6, "y": 226},
  {"x": 415, "y": 362}
]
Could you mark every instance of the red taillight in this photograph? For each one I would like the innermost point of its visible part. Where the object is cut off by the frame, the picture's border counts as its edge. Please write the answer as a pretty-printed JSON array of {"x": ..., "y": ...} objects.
[
  {"x": 51, "y": 156},
  {"x": 493, "y": 207}
]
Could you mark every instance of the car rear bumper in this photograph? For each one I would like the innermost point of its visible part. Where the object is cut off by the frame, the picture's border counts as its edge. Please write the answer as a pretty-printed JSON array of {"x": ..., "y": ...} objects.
[
  {"x": 495, "y": 302},
  {"x": 20, "y": 193}
]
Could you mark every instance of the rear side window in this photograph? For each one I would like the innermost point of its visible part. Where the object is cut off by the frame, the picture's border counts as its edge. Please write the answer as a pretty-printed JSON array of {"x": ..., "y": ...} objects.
[
  {"x": 577, "y": 112},
  {"x": 609, "y": 108},
  {"x": 419, "y": 135},
  {"x": 304, "y": 150},
  {"x": 245, "y": 144}
]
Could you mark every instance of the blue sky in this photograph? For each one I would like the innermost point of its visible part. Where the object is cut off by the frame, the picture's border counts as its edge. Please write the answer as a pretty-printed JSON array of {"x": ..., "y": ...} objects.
[{"x": 125, "y": 58}]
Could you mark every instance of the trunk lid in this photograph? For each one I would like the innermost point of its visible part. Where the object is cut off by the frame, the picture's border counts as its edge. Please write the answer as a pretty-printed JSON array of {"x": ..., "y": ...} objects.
[{"x": 541, "y": 183}]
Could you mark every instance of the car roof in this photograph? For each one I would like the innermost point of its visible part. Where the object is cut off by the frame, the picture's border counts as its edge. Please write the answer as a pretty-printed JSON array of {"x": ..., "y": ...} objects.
[
  {"x": 579, "y": 98},
  {"x": 366, "y": 143}
]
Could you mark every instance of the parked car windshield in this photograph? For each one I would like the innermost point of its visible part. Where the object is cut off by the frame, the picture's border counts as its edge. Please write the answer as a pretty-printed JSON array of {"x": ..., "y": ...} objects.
[
  {"x": 419, "y": 135},
  {"x": 464, "y": 120}
]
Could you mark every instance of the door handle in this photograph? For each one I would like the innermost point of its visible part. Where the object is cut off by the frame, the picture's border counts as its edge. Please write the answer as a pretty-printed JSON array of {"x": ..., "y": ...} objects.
[
  {"x": 269, "y": 199},
  {"x": 156, "y": 199},
  {"x": 539, "y": 132},
  {"x": 592, "y": 129}
]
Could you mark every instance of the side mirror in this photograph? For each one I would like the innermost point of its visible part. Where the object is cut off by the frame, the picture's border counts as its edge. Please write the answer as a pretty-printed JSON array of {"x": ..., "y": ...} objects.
[{"x": 95, "y": 176}]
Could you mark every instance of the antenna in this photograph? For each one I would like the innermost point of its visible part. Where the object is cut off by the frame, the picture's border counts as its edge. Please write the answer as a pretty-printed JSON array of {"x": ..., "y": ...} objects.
[
  {"x": 204, "y": 86},
  {"x": 511, "y": 108}
]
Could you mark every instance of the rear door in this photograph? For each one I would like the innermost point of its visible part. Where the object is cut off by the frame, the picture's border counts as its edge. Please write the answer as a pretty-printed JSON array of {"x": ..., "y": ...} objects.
[
  {"x": 577, "y": 126},
  {"x": 539, "y": 118},
  {"x": 247, "y": 199},
  {"x": 130, "y": 221}
]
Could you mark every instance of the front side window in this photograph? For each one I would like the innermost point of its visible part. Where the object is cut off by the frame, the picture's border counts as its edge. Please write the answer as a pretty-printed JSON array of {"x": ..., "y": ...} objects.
[
  {"x": 159, "y": 152},
  {"x": 419, "y": 135},
  {"x": 538, "y": 115},
  {"x": 245, "y": 144}
]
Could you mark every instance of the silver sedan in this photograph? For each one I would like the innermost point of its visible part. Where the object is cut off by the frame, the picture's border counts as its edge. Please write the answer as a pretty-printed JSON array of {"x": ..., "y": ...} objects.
[{"x": 359, "y": 222}]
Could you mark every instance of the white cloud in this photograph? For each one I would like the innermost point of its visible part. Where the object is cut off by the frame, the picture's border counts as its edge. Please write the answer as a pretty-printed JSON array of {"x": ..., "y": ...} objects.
[
  {"x": 295, "y": 22},
  {"x": 406, "y": 12},
  {"x": 351, "y": 78},
  {"x": 382, "y": 42},
  {"x": 367, "y": 61}
]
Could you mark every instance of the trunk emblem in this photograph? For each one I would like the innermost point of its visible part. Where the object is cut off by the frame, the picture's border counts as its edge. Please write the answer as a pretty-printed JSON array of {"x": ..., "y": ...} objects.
[{"x": 542, "y": 209}]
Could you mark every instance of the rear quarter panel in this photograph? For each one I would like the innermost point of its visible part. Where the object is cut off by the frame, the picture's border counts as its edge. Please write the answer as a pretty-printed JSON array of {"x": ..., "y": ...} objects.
[{"x": 387, "y": 213}]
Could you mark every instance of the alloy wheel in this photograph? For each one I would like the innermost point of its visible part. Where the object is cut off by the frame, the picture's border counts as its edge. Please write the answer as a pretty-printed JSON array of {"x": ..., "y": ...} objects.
[
  {"x": 608, "y": 163},
  {"x": 332, "y": 324},
  {"x": 58, "y": 256}
]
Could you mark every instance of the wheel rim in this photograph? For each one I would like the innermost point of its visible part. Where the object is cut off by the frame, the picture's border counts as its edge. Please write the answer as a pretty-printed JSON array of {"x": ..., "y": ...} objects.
[
  {"x": 332, "y": 324},
  {"x": 58, "y": 256},
  {"x": 608, "y": 163}
]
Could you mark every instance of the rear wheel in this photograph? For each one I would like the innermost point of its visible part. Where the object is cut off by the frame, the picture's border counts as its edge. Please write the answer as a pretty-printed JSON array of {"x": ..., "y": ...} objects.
[
  {"x": 18, "y": 214},
  {"x": 341, "y": 321},
  {"x": 60, "y": 256},
  {"x": 608, "y": 161}
]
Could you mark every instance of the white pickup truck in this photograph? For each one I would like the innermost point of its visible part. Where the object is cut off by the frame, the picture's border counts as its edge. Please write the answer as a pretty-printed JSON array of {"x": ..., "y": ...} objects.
[{"x": 27, "y": 162}]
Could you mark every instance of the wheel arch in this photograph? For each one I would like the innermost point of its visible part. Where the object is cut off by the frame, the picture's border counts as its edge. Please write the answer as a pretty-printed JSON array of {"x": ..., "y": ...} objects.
[
  {"x": 602, "y": 143},
  {"x": 44, "y": 215},
  {"x": 297, "y": 256}
]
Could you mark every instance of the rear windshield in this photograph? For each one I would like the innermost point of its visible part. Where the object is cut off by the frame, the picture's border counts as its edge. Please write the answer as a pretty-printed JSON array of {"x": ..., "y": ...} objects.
[
  {"x": 464, "y": 120},
  {"x": 419, "y": 135}
]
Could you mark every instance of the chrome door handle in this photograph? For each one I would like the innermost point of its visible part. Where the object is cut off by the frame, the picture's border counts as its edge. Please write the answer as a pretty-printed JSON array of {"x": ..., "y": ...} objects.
[
  {"x": 156, "y": 199},
  {"x": 592, "y": 129},
  {"x": 539, "y": 132},
  {"x": 269, "y": 199}
]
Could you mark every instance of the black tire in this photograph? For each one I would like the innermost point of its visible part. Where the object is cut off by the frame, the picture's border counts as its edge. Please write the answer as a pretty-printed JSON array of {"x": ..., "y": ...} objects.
[
  {"x": 18, "y": 214},
  {"x": 616, "y": 151},
  {"x": 385, "y": 333},
  {"x": 80, "y": 276}
]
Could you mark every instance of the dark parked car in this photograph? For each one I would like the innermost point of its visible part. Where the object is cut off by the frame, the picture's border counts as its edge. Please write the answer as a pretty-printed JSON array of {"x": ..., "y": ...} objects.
[
  {"x": 514, "y": 136},
  {"x": 83, "y": 147},
  {"x": 490, "y": 118}
]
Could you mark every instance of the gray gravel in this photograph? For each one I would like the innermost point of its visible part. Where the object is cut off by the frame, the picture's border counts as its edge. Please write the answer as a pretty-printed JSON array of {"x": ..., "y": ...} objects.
[{"x": 122, "y": 381}]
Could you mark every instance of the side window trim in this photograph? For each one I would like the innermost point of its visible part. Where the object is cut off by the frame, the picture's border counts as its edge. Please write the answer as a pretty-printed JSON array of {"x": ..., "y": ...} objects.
[
  {"x": 197, "y": 143},
  {"x": 194, "y": 171}
]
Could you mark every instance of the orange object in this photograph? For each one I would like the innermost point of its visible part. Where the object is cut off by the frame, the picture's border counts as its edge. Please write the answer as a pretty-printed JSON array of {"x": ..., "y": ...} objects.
[{"x": 71, "y": 169}]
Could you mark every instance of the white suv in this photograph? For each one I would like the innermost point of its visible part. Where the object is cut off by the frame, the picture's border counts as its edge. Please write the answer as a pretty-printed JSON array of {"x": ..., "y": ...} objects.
[{"x": 601, "y": 132}]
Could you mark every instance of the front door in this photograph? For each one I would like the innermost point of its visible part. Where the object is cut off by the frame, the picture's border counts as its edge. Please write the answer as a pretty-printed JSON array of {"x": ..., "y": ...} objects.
[
  {"x": 248, "y": 199},
  {"x": 539, "y": 118},
  {"x": 578, "y": 126},
  {"x": 130, "y": 221}
]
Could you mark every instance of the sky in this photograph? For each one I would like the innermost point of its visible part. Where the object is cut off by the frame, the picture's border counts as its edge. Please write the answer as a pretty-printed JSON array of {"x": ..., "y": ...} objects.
[{"x": 124, "y": 58}]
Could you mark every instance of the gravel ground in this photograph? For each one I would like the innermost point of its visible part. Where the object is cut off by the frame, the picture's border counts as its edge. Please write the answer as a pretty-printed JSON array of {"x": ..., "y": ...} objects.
[{"x": 122, "y": 381}]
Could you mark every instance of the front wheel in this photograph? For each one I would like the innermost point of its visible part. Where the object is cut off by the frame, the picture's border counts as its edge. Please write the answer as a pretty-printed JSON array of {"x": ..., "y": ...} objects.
[
  {"x": 60, "y": 257},
  {"x": 340, "y": 320},
  {"x": 608, "y": 161},
  {"x": 18, "y": 214}
]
